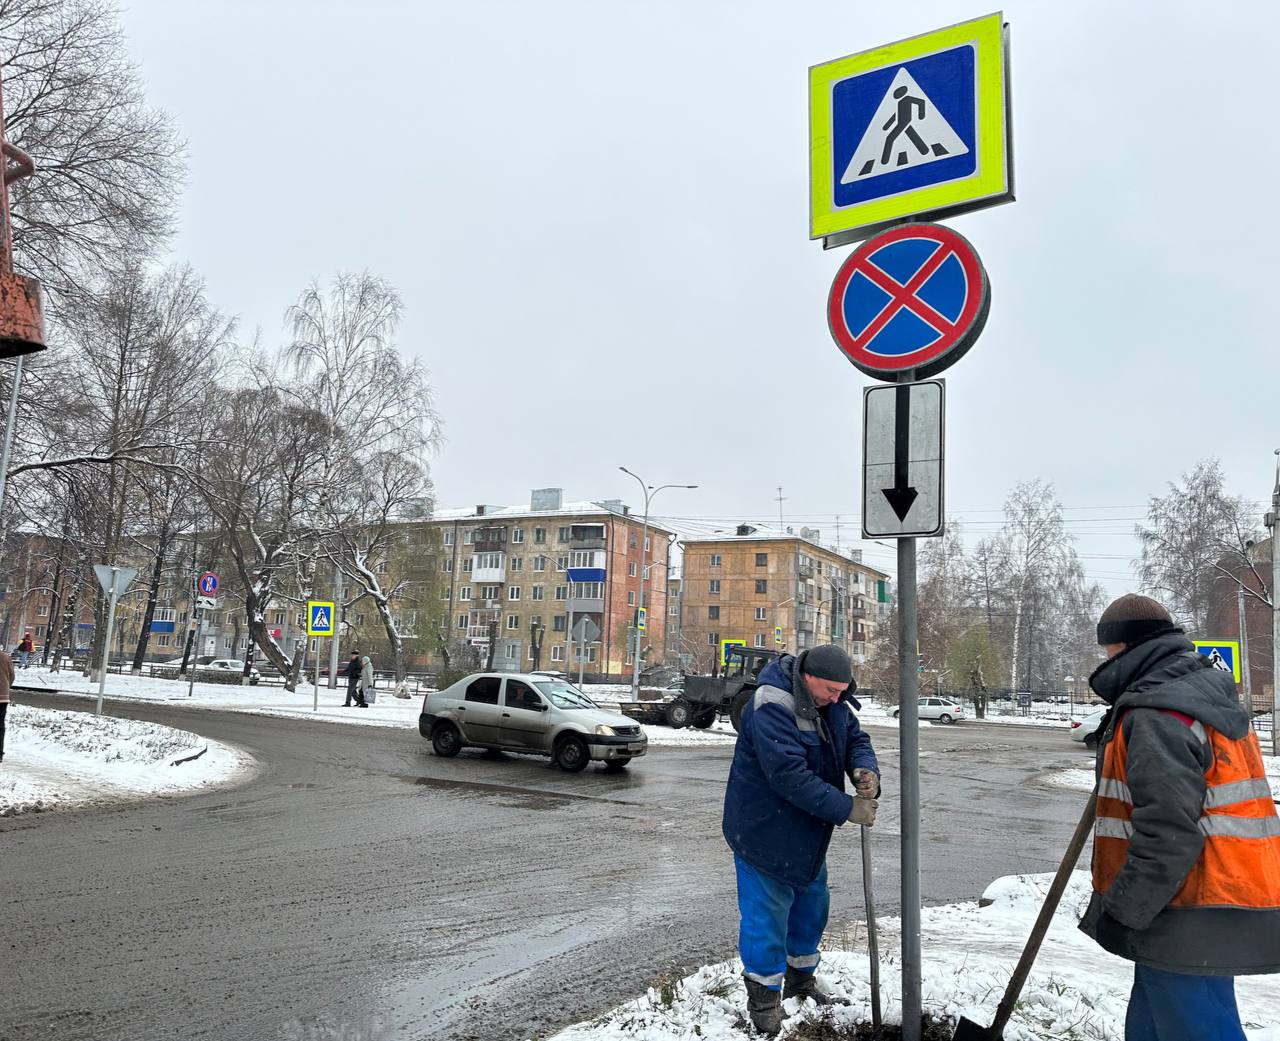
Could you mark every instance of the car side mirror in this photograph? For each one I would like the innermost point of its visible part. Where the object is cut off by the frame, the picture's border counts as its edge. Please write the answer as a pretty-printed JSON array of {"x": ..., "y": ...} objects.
[{"x": 543, "y": 706}]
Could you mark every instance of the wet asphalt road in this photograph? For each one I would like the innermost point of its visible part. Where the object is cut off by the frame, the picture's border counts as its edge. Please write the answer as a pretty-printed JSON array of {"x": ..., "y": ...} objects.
[{"x": 359, "y": 888}]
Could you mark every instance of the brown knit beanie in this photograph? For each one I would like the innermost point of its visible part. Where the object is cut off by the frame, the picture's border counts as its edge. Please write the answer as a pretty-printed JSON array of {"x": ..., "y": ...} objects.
[{"x": 1132, "y": 619}]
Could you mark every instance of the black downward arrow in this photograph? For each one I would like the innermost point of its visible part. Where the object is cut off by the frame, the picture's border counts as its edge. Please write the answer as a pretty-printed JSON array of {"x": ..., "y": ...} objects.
[{"x": 901, "y": 496}]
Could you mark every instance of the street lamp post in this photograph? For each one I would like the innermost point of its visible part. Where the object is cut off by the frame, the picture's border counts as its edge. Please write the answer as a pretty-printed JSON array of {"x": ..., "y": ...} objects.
[{"x": 650, "y": 492}]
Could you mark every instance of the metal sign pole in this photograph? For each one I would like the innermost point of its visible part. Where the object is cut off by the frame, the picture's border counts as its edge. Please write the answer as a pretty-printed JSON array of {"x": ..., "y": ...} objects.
[
  {"x": 195, "y": 657},
  {"x": 909, "y": 752},
  {"x": 337, "y": 617},
  {"x": 1244, "y": 653},
  {"x": 106, "y": 644}
]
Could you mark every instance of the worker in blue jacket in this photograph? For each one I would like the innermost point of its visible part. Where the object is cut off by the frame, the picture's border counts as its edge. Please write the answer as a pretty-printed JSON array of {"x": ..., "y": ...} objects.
[{"x": 798, "y": 740}]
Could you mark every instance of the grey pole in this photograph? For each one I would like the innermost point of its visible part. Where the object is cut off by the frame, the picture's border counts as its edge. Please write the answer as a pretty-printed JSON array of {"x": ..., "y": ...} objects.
[
  {"x": 1244, "y": 652},
  {"x": 9, "y": 424},
  {"x": 195, "y": 647},
  {"x": 106, "y": 644},
  {"x": 337, "y": 631},
  {"x": 909, "y": 751},
  {"x": 1275, "y": 605}
]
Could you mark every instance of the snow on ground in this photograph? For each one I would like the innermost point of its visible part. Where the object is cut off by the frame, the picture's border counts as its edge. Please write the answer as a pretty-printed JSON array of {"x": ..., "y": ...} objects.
[
  {"x": 59, "y": 759},
  {"x": 1082, "y": 779},
  {"x": 1076, "y": 991}
]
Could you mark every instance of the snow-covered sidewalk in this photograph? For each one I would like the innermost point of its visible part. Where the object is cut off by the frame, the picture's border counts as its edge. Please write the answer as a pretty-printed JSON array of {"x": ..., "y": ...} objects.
[
  {"x": 60, "y": 759},
  {"x": 1076, "y": 991}
]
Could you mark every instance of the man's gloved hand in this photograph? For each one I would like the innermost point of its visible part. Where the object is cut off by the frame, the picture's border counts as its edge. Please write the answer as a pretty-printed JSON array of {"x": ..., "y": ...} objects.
[
  {"x": 863, "y": 812},
  {"x": 866, "y": 782}
]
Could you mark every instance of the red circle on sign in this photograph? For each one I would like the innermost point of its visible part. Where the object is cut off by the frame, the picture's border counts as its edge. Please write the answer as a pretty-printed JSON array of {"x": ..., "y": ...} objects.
[
  {"x": 208, "y": 583},
  {"x": 953, "y": 333}
]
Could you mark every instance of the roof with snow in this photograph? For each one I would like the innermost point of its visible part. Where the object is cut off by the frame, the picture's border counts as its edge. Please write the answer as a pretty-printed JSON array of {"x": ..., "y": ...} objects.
[
  {"x": 608, "y": 508},
  {"x": 763, "y": 533}
]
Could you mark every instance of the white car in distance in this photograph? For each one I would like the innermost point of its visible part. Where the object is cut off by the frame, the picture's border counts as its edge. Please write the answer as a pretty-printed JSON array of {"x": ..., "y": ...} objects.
[{"x": 940, "y": 710}]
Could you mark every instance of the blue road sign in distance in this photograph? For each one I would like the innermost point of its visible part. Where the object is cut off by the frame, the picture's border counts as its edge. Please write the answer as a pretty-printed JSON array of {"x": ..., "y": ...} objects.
[
  {"x": 909, "y": 302},
  {"x": 208, "y": 583}
]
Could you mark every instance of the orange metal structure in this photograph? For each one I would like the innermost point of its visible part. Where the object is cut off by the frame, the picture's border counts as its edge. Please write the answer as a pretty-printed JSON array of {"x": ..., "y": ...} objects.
[{"x": 21, "y": 316}]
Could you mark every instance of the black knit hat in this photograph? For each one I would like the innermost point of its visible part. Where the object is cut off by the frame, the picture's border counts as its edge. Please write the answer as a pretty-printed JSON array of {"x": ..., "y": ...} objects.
[
  {"x": 1132, "y": 619},
  {"x": 828, "y": 662}
]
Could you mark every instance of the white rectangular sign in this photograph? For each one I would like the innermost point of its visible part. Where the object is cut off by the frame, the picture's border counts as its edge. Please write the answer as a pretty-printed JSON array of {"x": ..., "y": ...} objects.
[{"x": 902, "y": 460}]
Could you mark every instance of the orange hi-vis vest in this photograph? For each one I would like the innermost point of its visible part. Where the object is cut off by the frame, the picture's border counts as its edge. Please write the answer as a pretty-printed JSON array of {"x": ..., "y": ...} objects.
[{"x": 1239, "y": 866}]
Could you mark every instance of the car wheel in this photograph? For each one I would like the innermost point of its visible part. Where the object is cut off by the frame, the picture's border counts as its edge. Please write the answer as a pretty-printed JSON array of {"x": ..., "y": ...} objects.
[
  {"x": 446, "y": 741},
  {"x": 1091, "y": 742},
  {"x": 738, "y": 707},
  {"x": 679, "y": 714},
  {"x": 945, "y": 718},
  {"x": 571, "y": 754},
  {"x": 895, "y": 713},
  {"x": 705, "y": 720},
  {"x": 613, "y": 766}
]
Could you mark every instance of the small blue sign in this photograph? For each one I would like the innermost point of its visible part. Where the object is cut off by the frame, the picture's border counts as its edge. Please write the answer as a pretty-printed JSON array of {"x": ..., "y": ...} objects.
[
  {"x": 905, "y": 126},
  {"x": 320, "y": 617},
  {"x": 208, "y": 584},
  {"x": 1222, "y": 654}
]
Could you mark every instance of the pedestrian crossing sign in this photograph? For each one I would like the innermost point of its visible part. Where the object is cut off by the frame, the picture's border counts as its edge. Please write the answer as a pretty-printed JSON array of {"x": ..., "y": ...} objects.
[
  {"x": 919, "y": 128},
  {"x": 320, "y": 617},
  {"x": 1222, "y": 654}
]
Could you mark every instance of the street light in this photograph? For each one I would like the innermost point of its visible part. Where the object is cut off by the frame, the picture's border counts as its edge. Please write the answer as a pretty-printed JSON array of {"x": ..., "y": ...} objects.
[{"x": 649, "y": 493}]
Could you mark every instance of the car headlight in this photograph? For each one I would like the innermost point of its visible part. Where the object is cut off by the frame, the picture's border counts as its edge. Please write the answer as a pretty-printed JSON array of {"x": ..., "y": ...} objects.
[{"x": 605, "y": 731}]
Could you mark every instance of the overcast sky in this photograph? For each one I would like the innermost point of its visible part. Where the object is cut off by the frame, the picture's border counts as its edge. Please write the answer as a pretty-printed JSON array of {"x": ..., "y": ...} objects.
[{"x": 598, "y": 211}]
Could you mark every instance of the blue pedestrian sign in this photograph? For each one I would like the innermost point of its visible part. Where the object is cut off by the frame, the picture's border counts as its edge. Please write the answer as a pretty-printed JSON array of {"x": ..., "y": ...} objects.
[
  {"x": 917, "y": 127},
  {"x": 1222, "y": 654},
  {"x": 320, "y": 621}
]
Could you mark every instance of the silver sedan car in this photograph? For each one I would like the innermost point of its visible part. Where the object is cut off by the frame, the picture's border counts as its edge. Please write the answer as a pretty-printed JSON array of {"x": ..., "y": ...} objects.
[{"x": 529, "y": 712}]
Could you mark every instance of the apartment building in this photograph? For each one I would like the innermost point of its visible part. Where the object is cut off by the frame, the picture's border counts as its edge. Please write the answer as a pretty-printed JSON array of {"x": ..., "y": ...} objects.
[
  {"x": 531, "y": 573},
  {"x": 774, "y": 588}
]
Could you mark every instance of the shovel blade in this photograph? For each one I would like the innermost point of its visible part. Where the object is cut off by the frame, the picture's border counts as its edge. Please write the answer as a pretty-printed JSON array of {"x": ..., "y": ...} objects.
[{"x": 968, "y": 1030}]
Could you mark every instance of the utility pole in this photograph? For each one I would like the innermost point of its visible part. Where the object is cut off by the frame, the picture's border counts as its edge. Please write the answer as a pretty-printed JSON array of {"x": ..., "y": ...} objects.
[
  {"x": 1273, "y": 522},
  {"x": 650, "y": 492},
  {"x": 781, "y": 500},
  {"x": 909, "y": 757},
  {"x": 1244, "y": 651}
]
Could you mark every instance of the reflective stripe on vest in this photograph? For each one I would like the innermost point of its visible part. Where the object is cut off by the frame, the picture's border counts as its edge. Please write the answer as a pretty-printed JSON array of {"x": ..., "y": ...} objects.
[{"x": 1239, "y": 864}]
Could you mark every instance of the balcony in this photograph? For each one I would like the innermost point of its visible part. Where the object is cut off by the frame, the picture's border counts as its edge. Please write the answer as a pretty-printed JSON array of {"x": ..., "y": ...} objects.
[
  {"x": 489, "y": 540},
  {"x": 481, "y": 575},
  {"x": 804, "y": 570},
  {"x": 586, "y": 605},
  {"x": 587, "y": 536},
  {"x": 857, "y": 612}
]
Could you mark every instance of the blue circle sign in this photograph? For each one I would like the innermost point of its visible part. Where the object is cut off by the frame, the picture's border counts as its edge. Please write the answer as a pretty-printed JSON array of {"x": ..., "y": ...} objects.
[
  {"x": 208, "y": 584},
  {"x": 909, "y": 302}
]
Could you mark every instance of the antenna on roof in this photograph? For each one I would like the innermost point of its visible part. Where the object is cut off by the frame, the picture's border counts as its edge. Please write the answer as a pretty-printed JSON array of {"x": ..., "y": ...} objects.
[{"x": 781, "y": 500}]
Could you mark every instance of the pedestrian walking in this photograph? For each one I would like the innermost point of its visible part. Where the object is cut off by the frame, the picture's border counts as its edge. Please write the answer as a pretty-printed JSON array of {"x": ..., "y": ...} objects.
[
  {"x": 367, "y": 694},
  {"x": 353, "y": 680},
  {"x": 6, "y": 681},
  {"x": 799, "y": 739},
  {"x": 1186, "y": 850},
  {"x": 25, "y": 649}
]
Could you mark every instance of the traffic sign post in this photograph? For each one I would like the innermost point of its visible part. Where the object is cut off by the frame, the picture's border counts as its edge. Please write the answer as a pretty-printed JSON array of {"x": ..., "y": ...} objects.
[
  {"x": 586, "y": 632},
  {"x": 208, "y": 584},
  {"x": 902, "y": 460},
  {"x": 918, "y": 127},
  {"x": 114, "y": 581},
  {"x": 321, "y": 621}
]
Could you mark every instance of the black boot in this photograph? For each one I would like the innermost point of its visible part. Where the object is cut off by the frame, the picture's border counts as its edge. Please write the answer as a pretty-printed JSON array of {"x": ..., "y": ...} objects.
[
  {"x": 805, "y": 985},
  {"x": 765, "y": 1008}
]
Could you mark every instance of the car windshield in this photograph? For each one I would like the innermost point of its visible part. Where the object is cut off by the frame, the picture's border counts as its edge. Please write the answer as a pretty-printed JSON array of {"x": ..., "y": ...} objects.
[{"x": 564, "y": 695}]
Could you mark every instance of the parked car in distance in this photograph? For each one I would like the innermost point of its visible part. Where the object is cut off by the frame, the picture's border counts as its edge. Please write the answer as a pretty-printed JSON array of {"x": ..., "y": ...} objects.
[
  {"x": 1086, "y": 729},
  {"x": 531, "y": 713},
  {"x": 944, "y": 710}
]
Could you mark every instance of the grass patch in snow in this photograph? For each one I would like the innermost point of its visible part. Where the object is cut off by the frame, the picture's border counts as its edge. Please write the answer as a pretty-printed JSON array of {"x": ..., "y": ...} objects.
[{"x": 100, "y": 738}]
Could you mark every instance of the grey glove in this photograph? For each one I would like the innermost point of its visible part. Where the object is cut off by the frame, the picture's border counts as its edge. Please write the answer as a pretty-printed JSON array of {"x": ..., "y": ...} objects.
[
  {"x": 863, "y": 812},
  {"x": 866, "y": 782}
]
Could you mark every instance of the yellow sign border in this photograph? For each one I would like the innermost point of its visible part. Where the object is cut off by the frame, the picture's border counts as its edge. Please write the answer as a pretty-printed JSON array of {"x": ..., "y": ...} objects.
[
  {"x": 724, "y": 648},
  {"x": 992, "y": 177},
  {"x": 1235, "y": 653},
  {"x": 333, "y": 619}
]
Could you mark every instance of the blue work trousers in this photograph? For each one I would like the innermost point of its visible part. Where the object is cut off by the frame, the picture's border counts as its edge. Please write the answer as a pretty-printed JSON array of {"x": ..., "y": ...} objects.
[
  {"x": 781, "y": 925},
  {"x": 1170, "y": 1006}
]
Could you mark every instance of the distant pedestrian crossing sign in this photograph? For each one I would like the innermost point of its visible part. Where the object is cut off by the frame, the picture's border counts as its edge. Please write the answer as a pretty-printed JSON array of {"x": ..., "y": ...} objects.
[
  {"x": 915, "y": 129},
  {"x": 1222, "y": 654},
  {"x": 320, "y": 617}
]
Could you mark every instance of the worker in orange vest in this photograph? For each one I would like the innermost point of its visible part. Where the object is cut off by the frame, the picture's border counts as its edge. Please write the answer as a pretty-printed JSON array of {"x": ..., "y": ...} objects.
[{"x": 1186, "y": 849}]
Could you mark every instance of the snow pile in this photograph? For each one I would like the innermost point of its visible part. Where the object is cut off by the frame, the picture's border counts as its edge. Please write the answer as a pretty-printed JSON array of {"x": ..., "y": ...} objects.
[
  {"x": 59, "y": 759},
  {"x": 1076, "y": 990},
  {"x": 719, "y": 733},
  {"x": 1082, "y": 779}
]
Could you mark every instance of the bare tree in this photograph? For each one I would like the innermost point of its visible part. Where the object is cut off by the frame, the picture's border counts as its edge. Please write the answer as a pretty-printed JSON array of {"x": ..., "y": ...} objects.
[{"x": 1194, "y": 537}]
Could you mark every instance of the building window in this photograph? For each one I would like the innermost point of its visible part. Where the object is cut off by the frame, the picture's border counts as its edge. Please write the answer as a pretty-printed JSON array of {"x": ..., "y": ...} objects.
[
  {"x": 382, "y": 567},
  {"x": 559, "y": 623},
  {"x": 531, "y": 654},
  {"x": 488, "y": 560},
  {"x": 587, "y": 591},
  {"x": 539, "y": 563},
  {"x": 513, "y": 621},
  {"x": 517, "y": 534},
  {"x": 513, "y": 592},
  {"x": 562, "y": 535},
  {"x": 673, "y": 610},
  {"x": 462, "y": 621},
  {"x": 513, "y": 651},
  {"x": 562, "y": 592},
  {"x": 715, "y": 585},
  {"x": 762, "y": 585},
  {"x": 535, "y": 620},
  {"x": 466, "y": 565},
  {"x": 444, "y": 593},
  {"x": 762, "y": 614},
  {"x": 279, "y": 619},
  {"x": 359, "y": 619},
  {"x": 762, "y": 560},
  {"x": 446, "y": 537},
  {"x": 464, "y": 593},
  {"x": 536, "y": 592},
  {"x": 562, "y": 562},
  {"x": 632, "y": 540},
  {"x": 715, "y": 559},
  {"x": 557, "y": 652},
  {"x": 161, "y": 641},
  {"x": 540, "y": 535},
  {"x": 447, "y": 565},
  {"x": 490, "y": 592},
  {"x": 588, "y": 558},
  {"x": 759, "y": 639},
  {"x": 713, "y": 614},
  {"x": 517, "y": 564},
  {"x": 646, "y": 543},
  {"x": 42, "y": 611},
  {"x": 466, "y": 537},
  {"x": 713, "y": 639},
  {"x": 631, "y": 570},
  {"x": 631, "y": 598}
]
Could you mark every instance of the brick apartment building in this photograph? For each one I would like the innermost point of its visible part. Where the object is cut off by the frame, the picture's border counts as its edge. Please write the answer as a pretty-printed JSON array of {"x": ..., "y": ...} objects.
[{"x": 774, "y": 589}]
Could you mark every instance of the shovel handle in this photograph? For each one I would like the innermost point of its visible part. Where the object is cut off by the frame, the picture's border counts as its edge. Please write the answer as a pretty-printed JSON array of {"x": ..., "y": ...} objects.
[
  {"x": 873, "y": 944},
  {"x": 1023, "y": 969}
]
